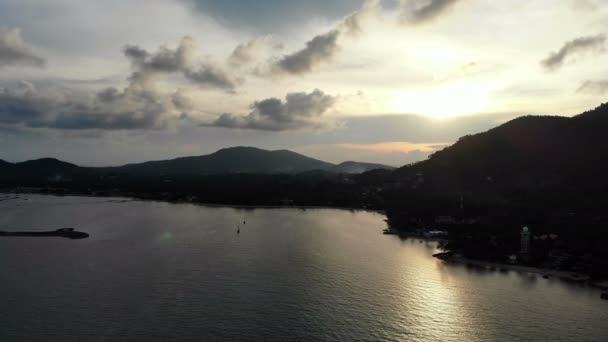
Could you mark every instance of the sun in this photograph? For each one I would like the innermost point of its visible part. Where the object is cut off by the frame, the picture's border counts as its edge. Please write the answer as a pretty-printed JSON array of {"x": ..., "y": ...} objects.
[{"x": 442, "y": 101}]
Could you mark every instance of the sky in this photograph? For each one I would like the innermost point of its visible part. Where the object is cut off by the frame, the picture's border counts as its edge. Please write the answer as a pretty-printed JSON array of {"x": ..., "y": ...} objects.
[{"x": 102, "y": 83}]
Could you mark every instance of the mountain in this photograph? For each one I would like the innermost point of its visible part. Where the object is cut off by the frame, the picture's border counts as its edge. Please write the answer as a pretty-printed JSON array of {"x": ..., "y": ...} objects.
[
  {"x": 525, "y": 150},
  {"x": 352, "y": 167},
  {"x": 44, "y": 167},
  {"x": 235, "y": 160},
  {"x": 244, "y": 160},
  {"x": 47, "y": 164},
  {"x": 532, "y": 164},
  {"x": 229, "y": 161}
]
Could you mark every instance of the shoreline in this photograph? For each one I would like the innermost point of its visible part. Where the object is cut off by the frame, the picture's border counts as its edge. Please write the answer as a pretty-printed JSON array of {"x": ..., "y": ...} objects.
[
  {"x": 205, "y": 204},
  {"x": 571, "y": 277},
  {"x": 547, "y": 273}
]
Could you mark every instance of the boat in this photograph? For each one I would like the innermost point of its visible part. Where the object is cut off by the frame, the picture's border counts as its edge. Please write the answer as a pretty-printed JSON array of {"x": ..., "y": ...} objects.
[
  {"x": 390, "y": 231},
  {"x": 604, "y": 295}
]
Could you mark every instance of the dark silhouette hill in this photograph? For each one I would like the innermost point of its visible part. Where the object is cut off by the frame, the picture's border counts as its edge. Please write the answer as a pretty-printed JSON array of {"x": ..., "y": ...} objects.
[
  {"x": 543, "y": 168},
  {"x": 45, "y": 163},
  {"x": 353, "y": 167},
  {"x": 528, "y": 151},
  {"x": 230, "y": 160},
  {"x": 43, "y": 167},
  {"x": 236, "y": 160},
  {"x": 544, "y": 172}
]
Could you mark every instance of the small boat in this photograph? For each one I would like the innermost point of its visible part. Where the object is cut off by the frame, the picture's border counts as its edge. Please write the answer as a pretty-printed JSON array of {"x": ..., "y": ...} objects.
[
  {"x": 390, "y": 231},
  {"x": 238, "y": 229}
]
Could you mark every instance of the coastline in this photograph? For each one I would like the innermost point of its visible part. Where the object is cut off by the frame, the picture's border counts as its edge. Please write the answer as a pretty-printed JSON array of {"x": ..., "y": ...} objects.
[
  {"x": 127, "y": 198},
  {"x": 445, "y": 256},
  {"x": 545, "y": 272}
]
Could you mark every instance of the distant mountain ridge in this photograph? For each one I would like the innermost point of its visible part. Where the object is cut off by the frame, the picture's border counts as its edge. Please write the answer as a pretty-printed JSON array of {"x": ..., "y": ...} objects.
[
  {"x": 357, "y": 167},
  {"x": 46, "y": 166},
  {"x": 233, "y": 160}
]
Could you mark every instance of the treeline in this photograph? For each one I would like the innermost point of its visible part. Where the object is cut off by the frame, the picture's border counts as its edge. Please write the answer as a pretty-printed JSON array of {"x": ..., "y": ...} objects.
[{"x": 306, "y": 189}]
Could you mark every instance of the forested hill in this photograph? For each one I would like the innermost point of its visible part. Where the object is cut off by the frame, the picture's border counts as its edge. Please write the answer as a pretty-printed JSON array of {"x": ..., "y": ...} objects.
[
  {"x": 532, "y": 166},
  {"x": 530, "y": 151}
]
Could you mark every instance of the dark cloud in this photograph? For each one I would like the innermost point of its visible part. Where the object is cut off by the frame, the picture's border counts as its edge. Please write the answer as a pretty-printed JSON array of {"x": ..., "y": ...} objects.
[
  {"x": 180, "y": 59},
  {"x": 308, "y": 105},
  {"x": 111, "y": 109},
  {"x": 416, "y": 11},
  {"x": 103, "y": 121},
  {"x": 165, "y": 59},
  {"x": 22, "y": 104},
  {"x": 323, "y": 47},
  {"x": 211, "y": 76},
  {"x": 320, "y": 49},
  {"x": 140, "y": 105},
  {"x": 579, "y": 45},
  {"x": 594, "y": 87},
  {"x": 298, "y": 111},
  {"x": 109, "y": 95},
  {"x": 14, "y": 52},
  {"x": 135, "y": 53}
]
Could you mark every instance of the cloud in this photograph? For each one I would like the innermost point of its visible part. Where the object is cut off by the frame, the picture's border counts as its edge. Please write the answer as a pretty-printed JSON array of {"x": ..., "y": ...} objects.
[
  {"x": 140, "y": 105},
  {"x": 179, "y": 60},
  {"x": 22, "y": 104},
  {"x": 211, "y": 76},
  {"x": 353, "y": 24},
  {"x": 165, "y": 59},
  {"x": 594, "y": 87},
  {"x": 323, "y": 47},
  {"x": 298, "y": 111},
  {"x": 181, "y": 101},
  {"x": 320, "y": 49},
  {"x": 103, "y": 121},
  {"x": 417, "y": 11},
  {"x": 555, "y": 60},
  {"x": 14, "y": 52},
  {"x": 109, "y": 95},
  {"x": 250, "y": 52},
  {"x": 110, "y": 110}
]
